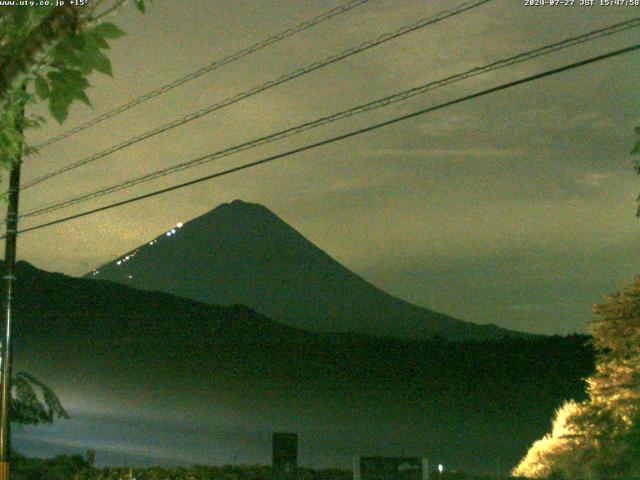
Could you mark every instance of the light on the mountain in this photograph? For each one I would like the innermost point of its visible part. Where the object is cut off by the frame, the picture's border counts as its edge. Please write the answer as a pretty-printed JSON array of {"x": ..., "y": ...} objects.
[
  {"x": 179, "y": 225},
  {"x": 119, "y": 262},
  {"x": 168, "y": 234},
  {"x": 440, "y": 468},
  {"x": 173, "y": 230}
]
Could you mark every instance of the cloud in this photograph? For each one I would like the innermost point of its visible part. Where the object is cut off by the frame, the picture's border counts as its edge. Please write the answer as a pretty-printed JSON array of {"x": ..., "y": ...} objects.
[
  {"x": 542, "y": 166},
  {"x": 595, "y": 179}
]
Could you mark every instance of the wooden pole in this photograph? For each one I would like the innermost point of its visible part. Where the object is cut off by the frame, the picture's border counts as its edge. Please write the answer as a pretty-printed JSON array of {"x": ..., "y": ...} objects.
[{"x": 9, "y": 286}]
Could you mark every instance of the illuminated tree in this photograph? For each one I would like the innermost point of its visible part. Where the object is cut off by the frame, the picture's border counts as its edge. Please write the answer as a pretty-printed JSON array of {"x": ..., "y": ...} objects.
[
  {"x": 614, "y": 389},
  {"x": 547, "y": 454},
  {"x": 600, "y": 437}
]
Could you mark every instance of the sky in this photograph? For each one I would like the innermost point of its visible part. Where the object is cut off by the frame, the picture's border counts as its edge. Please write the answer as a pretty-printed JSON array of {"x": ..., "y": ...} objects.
[{"x": 515, "y": 209}]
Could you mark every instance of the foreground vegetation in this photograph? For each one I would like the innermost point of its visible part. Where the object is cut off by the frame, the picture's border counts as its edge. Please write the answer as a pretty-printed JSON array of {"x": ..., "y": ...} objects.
[
  {"x": 599, "y": 437},
  {"x": 76, "y": 467}
]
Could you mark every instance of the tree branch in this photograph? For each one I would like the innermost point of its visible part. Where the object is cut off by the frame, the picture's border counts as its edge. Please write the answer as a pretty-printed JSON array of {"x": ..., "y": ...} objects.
[
  {"x": 108, "y": 11},
  {"x": 61, "y": 20}
]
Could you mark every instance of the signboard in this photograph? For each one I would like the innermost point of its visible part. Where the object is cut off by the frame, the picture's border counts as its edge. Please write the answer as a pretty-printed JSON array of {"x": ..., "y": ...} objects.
[
  {"x": 285, "y": 456},
  {"x": 391, "y": 468}
]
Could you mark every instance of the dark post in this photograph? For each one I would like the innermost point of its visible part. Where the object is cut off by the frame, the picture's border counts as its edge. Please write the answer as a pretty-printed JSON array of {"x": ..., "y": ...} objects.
[
  {"x": 91, "y": 457},
  {"x": 285, "y": 456},
  {"x": 9, "y": 283}
]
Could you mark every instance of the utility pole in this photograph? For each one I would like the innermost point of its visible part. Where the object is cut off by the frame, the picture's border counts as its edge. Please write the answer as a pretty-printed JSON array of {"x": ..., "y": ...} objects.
[{"x": 9, "y": 284}]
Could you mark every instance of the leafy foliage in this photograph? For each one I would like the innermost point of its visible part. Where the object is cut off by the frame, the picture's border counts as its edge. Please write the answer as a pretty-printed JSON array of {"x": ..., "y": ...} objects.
[
  {"x": 600, "y": 437},
  {"x": 76, "y": 468},
  {"x": 140, "y": 5},
  {"x": 47, "y": 54},
  {"x": 61, "y": 467},
  {"x": 33, "y": 402},
  {"x": 60, "y": 73}
]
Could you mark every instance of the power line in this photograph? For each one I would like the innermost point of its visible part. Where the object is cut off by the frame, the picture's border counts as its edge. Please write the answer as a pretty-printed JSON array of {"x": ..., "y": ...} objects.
[
  {"x": 265, "y": 86},
  {"x": 306, "y": 25},
  {"x": 367, "y": 107},
  {"x": 328, "y": 141}
]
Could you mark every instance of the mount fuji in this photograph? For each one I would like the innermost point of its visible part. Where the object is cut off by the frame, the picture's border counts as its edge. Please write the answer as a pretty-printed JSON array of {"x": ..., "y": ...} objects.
[{"x": 242, "y": 253}]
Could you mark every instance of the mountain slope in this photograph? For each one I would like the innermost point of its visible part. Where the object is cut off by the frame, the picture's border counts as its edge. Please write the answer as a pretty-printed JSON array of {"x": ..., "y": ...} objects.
[
  {"x": 243, "y": 253},
  {"x": 199, "y": 383}
]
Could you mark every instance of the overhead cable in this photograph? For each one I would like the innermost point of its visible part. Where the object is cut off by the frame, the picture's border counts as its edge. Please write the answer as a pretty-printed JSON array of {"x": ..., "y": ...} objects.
[
  {"x": 261, "y": 88},
  {"x": 290, "y": 32},
  {"x": 367, "y": 107},
  {"x": 331, "y": 140}
]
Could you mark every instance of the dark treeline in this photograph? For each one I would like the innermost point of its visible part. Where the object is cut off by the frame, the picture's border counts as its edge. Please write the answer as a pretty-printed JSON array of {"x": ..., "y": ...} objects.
[{"x": 75, "y": 467}]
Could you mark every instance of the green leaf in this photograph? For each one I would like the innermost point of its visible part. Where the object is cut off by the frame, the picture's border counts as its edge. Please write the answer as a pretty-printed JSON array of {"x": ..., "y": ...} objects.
[
  {"x": 102, "y": 64},
  {"x": 74, "y": 78},
  {"x": 97, "y": 40},
  {"x": 54, "y": 76},
  {"x": 80, "y": 95},
  {"x": 140, "y": 5},
  {"x": 42, "y": 88},
  {"x": 86, "y": 62},
  {"x": 75, "y": 40},
  {"x": 68, "y": 50},
  {"x": 108, "y": 30},
  {"x": 67, "y": 85},
  {"x": 59, "y": 107},
  {"x": 70, "y": 57}
]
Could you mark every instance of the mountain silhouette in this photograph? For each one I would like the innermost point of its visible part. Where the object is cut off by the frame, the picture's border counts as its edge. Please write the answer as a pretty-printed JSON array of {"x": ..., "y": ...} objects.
[
  {"x": 242, "y": 253},
  {"x": 193, "y": 380}
]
